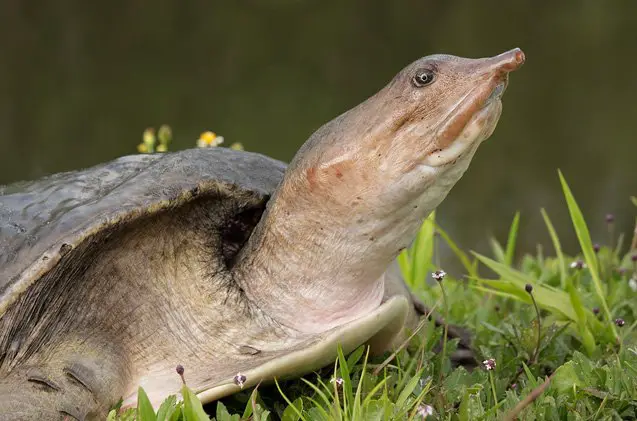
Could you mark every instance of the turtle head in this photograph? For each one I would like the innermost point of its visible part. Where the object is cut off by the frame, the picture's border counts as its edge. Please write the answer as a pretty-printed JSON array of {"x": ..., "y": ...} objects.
[
  {"x": 444, "y": 106},
  {"x": 414, "y": 137},
  {"x": 358, "y": 190}
]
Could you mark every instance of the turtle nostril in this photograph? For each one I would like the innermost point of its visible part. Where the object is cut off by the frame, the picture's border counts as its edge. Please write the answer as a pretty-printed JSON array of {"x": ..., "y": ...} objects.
[{"x": 509, "y": 61}]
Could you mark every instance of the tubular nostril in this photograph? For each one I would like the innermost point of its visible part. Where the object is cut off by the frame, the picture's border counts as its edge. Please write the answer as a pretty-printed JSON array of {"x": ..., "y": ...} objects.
[
  {"x": 512, "y": 60},
  {"x": 508, "y": 61}
]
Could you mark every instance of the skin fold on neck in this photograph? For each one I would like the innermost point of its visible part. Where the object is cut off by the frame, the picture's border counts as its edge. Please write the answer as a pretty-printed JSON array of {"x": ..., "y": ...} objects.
[
  {"x": 328, "y": 258},
  {"x": 358, "y": 190}
]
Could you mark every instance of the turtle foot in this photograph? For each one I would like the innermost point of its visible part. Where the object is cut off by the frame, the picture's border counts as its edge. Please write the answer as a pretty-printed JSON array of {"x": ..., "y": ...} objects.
[{"x": 70, "y": 383}]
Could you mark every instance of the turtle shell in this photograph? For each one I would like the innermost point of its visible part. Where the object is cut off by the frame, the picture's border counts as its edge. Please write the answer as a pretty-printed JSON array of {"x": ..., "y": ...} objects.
[
  {"x": 43, "y": 220},
  {"x": 48, "y": 225}
]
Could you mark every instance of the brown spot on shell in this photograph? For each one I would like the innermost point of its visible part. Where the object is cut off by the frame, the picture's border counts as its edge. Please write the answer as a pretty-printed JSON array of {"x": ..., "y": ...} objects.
[{"x": 65, "y": 248}]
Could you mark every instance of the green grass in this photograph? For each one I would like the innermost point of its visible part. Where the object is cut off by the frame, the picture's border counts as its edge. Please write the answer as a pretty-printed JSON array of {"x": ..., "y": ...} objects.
[{"x": 559, "y": 350}]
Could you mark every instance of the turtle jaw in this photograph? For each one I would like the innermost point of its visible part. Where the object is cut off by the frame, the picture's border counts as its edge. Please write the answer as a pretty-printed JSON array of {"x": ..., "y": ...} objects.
[
  {"x": 478, "y": 128},
  {"x": 475, "y": 117}
]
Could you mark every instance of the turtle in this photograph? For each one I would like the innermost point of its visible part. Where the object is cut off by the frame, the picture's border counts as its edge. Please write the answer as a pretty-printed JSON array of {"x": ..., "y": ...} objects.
[{"x": 233, "y": 264}]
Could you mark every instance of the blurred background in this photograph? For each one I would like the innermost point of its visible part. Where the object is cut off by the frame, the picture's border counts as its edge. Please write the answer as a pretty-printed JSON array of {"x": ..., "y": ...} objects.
[{"x": 80, "y": 81}]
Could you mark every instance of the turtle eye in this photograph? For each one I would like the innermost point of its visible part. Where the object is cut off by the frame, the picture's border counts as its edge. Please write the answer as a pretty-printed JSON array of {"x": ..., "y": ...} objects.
[{"x": 423, "y": 77}]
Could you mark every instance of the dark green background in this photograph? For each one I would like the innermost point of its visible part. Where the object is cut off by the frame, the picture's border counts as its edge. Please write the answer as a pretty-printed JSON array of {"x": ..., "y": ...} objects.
[{"x": 80, "y": 80}]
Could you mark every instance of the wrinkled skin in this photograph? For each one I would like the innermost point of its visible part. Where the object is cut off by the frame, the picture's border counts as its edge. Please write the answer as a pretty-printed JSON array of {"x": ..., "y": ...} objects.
[
  {"x": 192, "y": 281},
  {"x": 360, "y": 187}
]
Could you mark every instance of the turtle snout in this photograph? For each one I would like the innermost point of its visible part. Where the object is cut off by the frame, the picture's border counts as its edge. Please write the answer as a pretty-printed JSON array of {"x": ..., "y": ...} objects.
[
  {"x": 500, "y": 66},
  {"x": 508, "y": 61}
]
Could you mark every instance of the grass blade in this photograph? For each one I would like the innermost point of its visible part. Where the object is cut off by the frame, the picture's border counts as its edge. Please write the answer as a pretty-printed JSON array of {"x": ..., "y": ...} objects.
[
  {"x": 319, "y": 392},
  {"x": 546, "y": 296},
  {"x": 405, "y": 266},
  {"x": 529, "y": 376},
  {"x": 167, "y": 408},
  {"x": 356, "y": 355},
  {"x": 513, "y": 236},
  {"x": 193, "y": 410},
  {"x": 462, "y": 256},
  {"x": 422, "y": 252},
  {"x": 497, "y": 292},
  {"x": 587, "y": 337},
  {"x": 357, "y": 409},
  {"x": 294, "y": 411},
  {"x": 498, "y": 251},
  {"x": 318, "y": 407},
  {"x": 584, "y": 237},
  {"x": 374, "y": 390},
  {"x": 557, "y": 246},
  {"x": 291, "y": 406},
  {"x": 348, "y": 396},
  {"x": 409, "y": 388},
  {"x": 145, "y": 410}
]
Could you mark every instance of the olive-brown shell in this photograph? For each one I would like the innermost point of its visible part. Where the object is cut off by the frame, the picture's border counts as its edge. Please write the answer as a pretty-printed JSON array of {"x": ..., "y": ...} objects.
[{"x": 43, "y": 220}]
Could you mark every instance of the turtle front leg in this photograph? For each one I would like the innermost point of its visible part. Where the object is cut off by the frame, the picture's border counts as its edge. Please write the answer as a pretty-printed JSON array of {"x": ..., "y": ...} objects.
[{"x": 70, "y": 380}]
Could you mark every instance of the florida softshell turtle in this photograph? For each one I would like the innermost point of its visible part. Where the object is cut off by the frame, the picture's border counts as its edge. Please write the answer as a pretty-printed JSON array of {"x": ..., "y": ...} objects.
[{"x": 226, "y": 261}]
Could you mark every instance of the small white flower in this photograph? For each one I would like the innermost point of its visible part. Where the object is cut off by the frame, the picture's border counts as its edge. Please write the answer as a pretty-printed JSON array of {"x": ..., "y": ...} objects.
[
  {"x": 337, "y": 380},
  {"x": 239, "y": 380},
  {"x": 489, "y": 364},
  {"x": 578, "y": 264},
  {"x": 632, "y": 283},
  {"x": 423, "y": 382},
  {"x": 439, "y": 275},
  {"x": 425, "y": 410}
]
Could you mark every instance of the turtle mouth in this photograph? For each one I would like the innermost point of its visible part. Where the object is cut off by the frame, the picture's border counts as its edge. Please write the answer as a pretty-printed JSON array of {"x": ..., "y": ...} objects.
[
  {"x": 464, "y": 130},
  {"x": 497, "y": 92},
  {"x": 487, "y": 117},
  {"x": 477, "y": 113},
  {"x": 482, "y": 124}
]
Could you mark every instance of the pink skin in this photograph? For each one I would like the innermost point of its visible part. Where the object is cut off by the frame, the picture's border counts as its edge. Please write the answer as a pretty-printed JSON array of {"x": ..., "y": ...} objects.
[
  {"x": 353, "y": 197},
  {"x": 358, "y": 190}
]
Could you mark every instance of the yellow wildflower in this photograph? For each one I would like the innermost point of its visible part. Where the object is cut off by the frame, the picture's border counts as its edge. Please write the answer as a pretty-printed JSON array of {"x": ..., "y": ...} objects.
[
  {"x": 237, "y": 146},
  {"x": 209, "y": 139}
]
